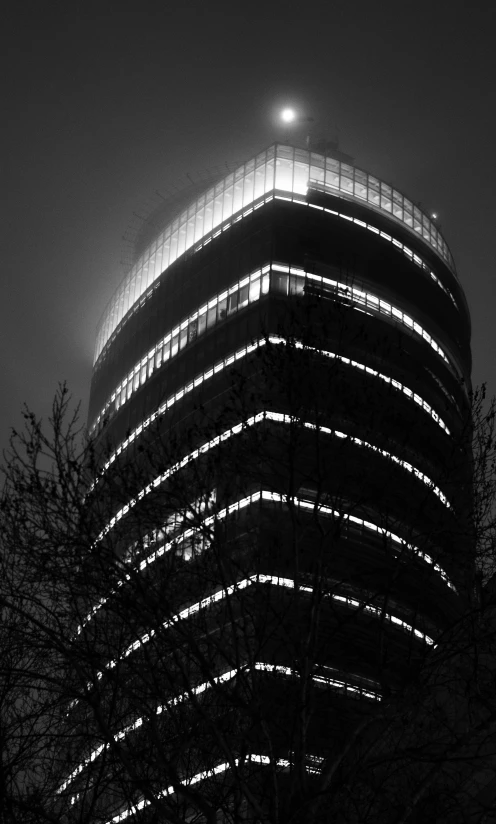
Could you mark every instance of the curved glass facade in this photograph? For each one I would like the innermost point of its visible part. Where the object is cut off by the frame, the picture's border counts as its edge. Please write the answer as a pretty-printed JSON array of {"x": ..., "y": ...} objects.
[
  {"x": 276, "y": 278},
  {"x": 278, "y": 412},
  {"x": 279, "y": 168}
]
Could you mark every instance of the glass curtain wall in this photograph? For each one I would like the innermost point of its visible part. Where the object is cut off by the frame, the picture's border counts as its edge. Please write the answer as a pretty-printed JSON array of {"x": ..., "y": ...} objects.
[{"x": 279, "y": 169}]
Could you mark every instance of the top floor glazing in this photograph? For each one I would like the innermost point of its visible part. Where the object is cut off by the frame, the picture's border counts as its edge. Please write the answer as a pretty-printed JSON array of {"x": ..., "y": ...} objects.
[{"x": 280, "y": 168}]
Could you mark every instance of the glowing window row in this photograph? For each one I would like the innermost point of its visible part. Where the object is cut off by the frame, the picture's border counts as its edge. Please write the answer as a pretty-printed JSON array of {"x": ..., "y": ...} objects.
[
  {"x": 362, "y": 298},
  {"x": 150, "y": 291},
  {"x": 235, "y": 430},
  {"x": 173, "y": 522},
  {"x": 280, "y": 168},
  {"x": 251, "y": 758},
  {"x": 274, "y": 580},
  {"x": 343, "y": 686},
  {"x": 255, "y": 497},
  {"x": 405, "y": 249},
  {"x": 244, "y": 352},
  {"x": 238, "y": 296},
  {"x": 409, "y": 253},
  {"x": 217, "y": 309}
]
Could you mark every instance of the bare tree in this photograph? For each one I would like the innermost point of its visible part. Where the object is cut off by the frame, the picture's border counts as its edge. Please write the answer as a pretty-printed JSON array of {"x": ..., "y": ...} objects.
[{"x": 196, "y": 631}]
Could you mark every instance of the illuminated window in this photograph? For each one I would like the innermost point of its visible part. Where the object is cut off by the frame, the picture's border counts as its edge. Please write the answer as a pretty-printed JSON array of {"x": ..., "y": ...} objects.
[
  {"x": 253, "y": 180},
  {"x": 280, "y": 279}
]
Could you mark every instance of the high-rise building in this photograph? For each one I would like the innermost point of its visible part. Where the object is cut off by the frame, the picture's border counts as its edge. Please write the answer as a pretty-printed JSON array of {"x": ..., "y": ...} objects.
[{"x": 280, "y": 395}]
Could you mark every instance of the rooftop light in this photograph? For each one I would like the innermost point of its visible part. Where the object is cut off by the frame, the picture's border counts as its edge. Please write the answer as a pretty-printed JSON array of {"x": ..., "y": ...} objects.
[{"x": 288, "y": 115}]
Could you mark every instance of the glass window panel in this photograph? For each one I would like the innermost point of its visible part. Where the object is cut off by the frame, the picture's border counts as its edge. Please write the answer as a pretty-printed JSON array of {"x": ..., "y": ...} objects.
[
  {"x": 166, "y": 253},
  {"x": 174, "y": 345},
  {"x": 332, "y": 178},
  {"x": 373, "y": 188},
  {"x": 129, "y": 389},
  {"x": 332, "y": 165},
  {"x": 346, "y": 184},
  {"x": 134, "y": 286},
  {"x": 166, "y": 351},
  {"x": 265, "y": 284},
  {"x": 202, "y": 323},
  {"x": 183, "y": 337},
  {"x": 190, "y": 231},
  {"x": 279, "y": 283},
  {"x": 360, "y": 190},
  {"x": 199, "y": 223},
  {"x": 243, "y": 296},
  {"x": 296, "y": 285},
  {"x": 386, "y": 195},
  {"x": 417, "y": 219},
  {"x": 284, "y": 174},
  {"x": 232, "y": 303},
  {"x": 269, "y": 175},
  {"x": 147, "y": 277},
  {"x": 317, "y": 161},
  {"x": 192, "y": 330},
  {"x": 346, "y": 178},
  {"x": 300, "y": 180},
  {"x": 217, "y": 219},
  {"x": 125, "y": 302},
  {"x": 255, "y": 289},
  {"x": 211, "y": 316},
  {"x": 158, "y": 358},
  {"x": 222, "y": 309},
  {"x": 142, "y": 376},
  {"x": 173, "y": 247},
  {"x": 228, "y": 202},
  {"x": 302, "y": 156},
  {"x": 259, "y": 180},
  {"x": 238, "y": 196},
  {"x": 152, "y": 271},
  {"x": 181, "y": 244},
  {"x": 161, "y": 263},
  {"x": 208, "y": 216},
  {"x": 135, "y": 381},
  {"x": 117, "y": 311},
  {"x": 317, "y": 173},
  {"x": 248, "y": 185}
]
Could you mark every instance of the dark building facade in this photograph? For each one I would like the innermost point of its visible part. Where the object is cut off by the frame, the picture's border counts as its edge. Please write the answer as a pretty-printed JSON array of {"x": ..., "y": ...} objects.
[{"x": 298, "y": 332}]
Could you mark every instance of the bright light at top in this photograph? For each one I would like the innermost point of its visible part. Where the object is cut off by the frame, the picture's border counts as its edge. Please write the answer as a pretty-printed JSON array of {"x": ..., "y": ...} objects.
[
  {"x": 288, "y": 115},
  {"x": 434, "y": 215}
]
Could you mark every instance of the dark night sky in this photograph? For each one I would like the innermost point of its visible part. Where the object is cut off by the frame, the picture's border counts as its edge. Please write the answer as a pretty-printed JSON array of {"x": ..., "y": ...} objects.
[{"x": 106, "y": 102}]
